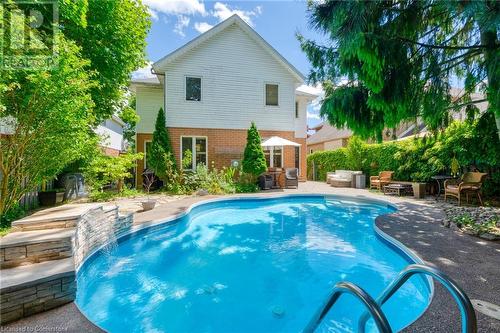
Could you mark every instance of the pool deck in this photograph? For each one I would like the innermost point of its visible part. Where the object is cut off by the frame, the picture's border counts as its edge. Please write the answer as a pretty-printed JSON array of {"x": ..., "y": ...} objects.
[{"x": 472, "y": 262}]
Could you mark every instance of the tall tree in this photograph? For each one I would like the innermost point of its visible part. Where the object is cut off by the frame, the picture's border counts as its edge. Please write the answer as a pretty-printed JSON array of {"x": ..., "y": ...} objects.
[
  {"x": 161, "y": 148},
  {"x": 46, "y": 121},
  {"x": 130, "y": 118},
  {"x": 254, "y": 161},
  {"x": 112, "y": 35},
  {"x": 385, "y": 62}
]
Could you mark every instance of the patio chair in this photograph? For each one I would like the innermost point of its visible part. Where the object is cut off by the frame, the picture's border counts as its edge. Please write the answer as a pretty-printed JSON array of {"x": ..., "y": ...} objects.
[
  {"x": 383, "y": 178},
  {"x": 292, "y": 177},
  {"x": 470, "y": 183}
]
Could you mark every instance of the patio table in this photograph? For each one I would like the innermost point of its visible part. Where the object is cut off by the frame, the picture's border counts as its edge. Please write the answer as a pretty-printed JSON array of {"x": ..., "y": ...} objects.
[
  {"x": 276, "y": 178},
  {"x": 440, "y": 179}
]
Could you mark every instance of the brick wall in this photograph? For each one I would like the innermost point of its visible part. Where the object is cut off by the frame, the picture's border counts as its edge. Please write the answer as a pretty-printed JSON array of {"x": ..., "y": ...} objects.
[
  {"x": 225, "y": 145},
  {"x": 315, "y": 147},
  {"x": 110, "y": 151}
]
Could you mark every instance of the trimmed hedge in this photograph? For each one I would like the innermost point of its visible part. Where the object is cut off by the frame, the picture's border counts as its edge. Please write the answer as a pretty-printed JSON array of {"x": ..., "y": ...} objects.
[{"x": 474, "y": 144}]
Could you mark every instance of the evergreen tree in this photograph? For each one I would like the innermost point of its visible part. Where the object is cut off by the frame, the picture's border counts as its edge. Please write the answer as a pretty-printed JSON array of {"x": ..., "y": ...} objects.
[
  {"x": 387, "y": 62},
  {"x": 161, "y": 148},
  {"x": 254, "y": 161}
]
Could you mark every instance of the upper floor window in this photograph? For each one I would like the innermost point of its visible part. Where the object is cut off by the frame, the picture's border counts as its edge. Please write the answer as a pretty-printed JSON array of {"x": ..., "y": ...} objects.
[
  {"x": 296, "y": 109},
  {"x": 193, "y": 88},
  {"x": 272, "y": 94}
]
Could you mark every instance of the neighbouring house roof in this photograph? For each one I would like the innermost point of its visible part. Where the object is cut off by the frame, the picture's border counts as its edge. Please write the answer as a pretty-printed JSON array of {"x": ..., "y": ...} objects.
[
  {"x": 308, "y": 91},
  {"x": 144, "y": 81},
  {"x": 328, "y": 133},
  {"x": 118, "y": 120},
  {"x": 235, "y": 19}
]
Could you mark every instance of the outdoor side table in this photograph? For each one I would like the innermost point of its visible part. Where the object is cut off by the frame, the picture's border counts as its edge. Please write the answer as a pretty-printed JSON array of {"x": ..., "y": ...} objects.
[{"x": 399, "y": 189}]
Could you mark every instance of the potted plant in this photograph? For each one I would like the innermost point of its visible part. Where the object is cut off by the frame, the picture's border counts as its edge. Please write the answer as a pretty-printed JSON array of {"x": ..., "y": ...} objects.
[
  {"x": 149, "y": 179},
  {"x": 419, "y": 184}
]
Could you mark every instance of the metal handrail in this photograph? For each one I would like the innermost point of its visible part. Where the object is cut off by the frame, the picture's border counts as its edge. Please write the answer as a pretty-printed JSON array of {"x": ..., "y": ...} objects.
[
  {"x": 469, "y": 322},
  {"x": 350, "y": 288}
]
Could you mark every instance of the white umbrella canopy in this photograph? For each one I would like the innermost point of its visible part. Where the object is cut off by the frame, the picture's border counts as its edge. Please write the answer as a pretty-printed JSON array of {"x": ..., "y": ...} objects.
[{"x": 277, "y": 141}]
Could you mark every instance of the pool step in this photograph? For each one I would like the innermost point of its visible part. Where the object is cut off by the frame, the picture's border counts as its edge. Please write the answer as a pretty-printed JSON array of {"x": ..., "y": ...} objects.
[
  {"x": 26, "y": 290},
  {"x": 30, "y": 247},
  {"x": 65, "y": 216}
]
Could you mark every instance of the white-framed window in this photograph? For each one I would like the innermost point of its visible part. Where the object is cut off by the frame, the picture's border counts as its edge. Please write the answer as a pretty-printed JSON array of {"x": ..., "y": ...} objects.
[
  {"x": 197, "y": 145},
  {"x": 296, "y": 109},
  {"x": 272, "y": 94},
  {"x": 274, "y": 157},
  {"x": 193, "y": 88}
]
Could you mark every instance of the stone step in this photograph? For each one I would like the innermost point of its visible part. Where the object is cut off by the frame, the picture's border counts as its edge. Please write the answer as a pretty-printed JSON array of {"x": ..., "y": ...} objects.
[
  {"x": 29, "y": 247},
  {"x": 65, "y": 216},
  {"x": 26, "y": 290}
]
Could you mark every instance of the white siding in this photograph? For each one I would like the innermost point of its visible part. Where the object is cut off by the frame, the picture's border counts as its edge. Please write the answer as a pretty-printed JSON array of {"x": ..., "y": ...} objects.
[
  {"x": 111, "y": 134},
  {"x": 301, "y": 121},
  {"x": 234, "y": 70},
  {"x": 148, "y": 101}
]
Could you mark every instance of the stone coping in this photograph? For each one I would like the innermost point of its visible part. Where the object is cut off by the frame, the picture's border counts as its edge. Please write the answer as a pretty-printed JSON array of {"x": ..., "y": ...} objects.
[
  {"x": 59, "y": 213},
  {"x": 36, "y": 236},
  {"x": 22, "y": 276}
]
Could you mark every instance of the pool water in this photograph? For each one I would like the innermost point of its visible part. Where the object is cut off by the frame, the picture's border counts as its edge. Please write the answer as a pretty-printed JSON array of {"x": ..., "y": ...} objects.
[{"x": 249, "y": 266}]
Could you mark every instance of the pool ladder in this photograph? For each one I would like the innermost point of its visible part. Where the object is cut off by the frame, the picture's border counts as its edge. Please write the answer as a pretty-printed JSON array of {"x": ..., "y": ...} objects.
[{"x": 469, "y": 323}]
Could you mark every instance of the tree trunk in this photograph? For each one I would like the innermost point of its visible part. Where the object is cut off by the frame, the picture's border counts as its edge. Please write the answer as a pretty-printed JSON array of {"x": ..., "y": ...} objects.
[{"x": 492, "y": 65}]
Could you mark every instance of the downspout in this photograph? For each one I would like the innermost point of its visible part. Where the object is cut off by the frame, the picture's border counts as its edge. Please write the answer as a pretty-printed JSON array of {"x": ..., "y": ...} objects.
[{"x": 164, "y": 91}]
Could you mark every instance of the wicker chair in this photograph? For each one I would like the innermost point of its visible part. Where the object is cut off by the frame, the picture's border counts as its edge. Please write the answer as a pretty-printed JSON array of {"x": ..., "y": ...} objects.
[
  {"x": 383, "y": 178},
  {"x": 292, "y": 177},
  {"x": 471, "y": 182}
]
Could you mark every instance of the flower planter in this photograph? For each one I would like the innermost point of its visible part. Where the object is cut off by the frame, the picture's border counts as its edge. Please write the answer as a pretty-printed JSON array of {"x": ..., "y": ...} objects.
[
  {"x": 419, "y": 190},
  {"x": 50, "y": 198},
  {"x": 148, "y": 205}
]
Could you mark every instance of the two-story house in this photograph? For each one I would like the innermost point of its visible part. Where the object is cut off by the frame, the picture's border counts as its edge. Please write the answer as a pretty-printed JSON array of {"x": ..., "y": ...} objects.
[{"x": 213, "y": 87}]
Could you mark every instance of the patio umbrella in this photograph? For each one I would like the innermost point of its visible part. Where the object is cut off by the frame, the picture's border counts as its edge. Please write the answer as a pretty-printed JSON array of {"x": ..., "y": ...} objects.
[{"x": 276, "y": 141}]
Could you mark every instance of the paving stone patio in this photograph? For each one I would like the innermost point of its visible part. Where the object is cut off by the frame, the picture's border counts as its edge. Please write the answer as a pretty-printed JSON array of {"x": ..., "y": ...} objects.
[{"x": 472, "y": 262}]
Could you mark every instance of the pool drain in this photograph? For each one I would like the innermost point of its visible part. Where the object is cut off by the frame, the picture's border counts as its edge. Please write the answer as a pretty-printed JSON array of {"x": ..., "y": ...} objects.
[
  {"x": 486, "y": 308},
  {"x": 278, "y": 311}
]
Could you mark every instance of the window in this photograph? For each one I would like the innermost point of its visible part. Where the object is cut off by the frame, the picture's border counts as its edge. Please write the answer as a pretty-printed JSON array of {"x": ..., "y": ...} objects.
[
  {"x": 272, "y": 94},
  {"x": 193, "y": 88},
  {"x": 296, "y": 109},
  {"x": 274, "y": 157},
  {"x": 197, "y": 146}
]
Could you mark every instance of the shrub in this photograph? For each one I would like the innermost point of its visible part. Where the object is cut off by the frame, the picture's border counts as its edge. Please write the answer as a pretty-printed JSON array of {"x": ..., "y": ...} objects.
[
  {"x": 254, "y": 161},
  {"x": 472, "y": 145},
  {"x": 14, "y": 213},
  {"x": 161, "y": 149}
]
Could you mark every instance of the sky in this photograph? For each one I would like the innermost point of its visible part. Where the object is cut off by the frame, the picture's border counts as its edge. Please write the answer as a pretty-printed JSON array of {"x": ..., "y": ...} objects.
[{"x": 176, "y": 22}]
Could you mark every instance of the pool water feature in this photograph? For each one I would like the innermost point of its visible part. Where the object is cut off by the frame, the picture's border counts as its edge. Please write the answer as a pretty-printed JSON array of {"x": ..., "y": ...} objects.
[{"x": 249, "y": 265}]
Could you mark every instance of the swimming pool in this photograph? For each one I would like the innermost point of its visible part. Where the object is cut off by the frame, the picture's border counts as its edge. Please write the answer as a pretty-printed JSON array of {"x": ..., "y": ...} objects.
[{"x": 249, "y": 265}]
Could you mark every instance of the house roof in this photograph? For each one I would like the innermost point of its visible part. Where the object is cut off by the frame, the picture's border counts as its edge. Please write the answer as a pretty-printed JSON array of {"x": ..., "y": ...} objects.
[
  {"x": 235, "y": 19},
  {"x": 328, "y": 133}
]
